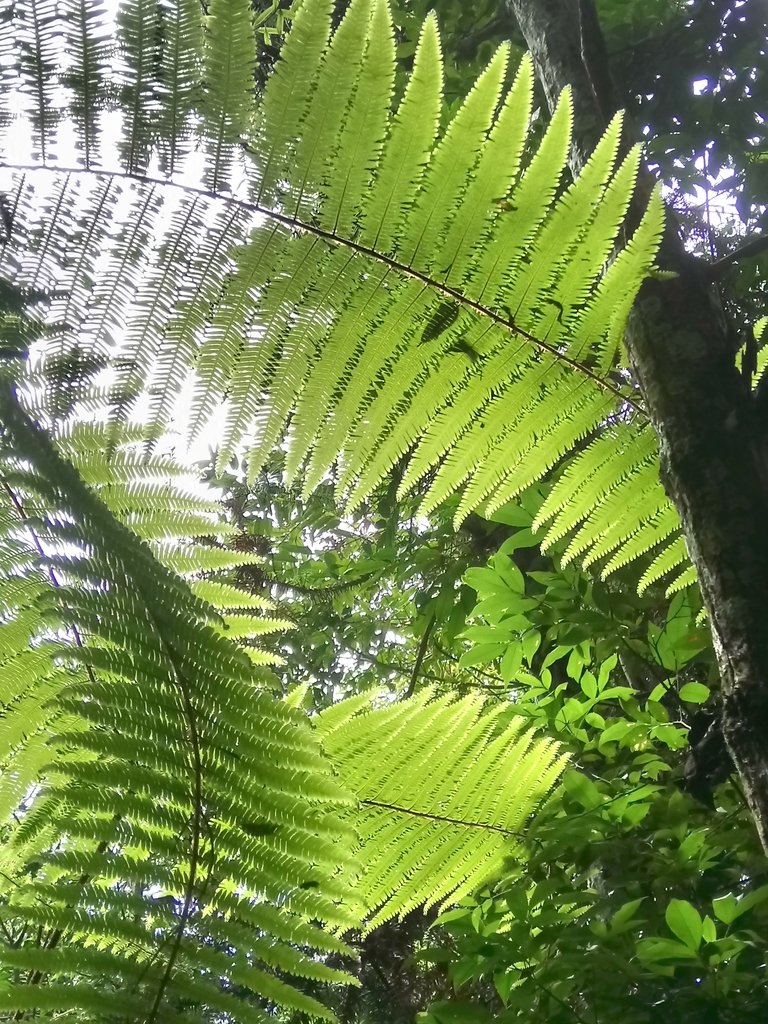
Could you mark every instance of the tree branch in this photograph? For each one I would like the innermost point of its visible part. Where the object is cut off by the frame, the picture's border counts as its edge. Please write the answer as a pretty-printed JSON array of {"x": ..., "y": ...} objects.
[{"x": 754, "y": 247}]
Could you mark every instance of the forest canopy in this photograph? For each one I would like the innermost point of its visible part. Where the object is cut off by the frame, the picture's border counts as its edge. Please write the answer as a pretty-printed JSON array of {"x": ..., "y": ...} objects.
[{"x": 383, "y": 482}]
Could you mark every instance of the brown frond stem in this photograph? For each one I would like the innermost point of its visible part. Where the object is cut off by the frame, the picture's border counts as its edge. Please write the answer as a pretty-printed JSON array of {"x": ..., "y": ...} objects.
[{"x": 440, "y": 817}]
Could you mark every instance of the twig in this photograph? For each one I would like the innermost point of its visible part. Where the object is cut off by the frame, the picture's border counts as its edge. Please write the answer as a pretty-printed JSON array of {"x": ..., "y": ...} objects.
[{"x": 419, "y": 657}]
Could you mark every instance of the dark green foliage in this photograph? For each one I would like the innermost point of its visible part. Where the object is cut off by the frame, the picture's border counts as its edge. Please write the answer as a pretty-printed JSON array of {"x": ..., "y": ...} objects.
[
  {"x": 637, "y": 899},
  {"x": 363, "y": 588}
]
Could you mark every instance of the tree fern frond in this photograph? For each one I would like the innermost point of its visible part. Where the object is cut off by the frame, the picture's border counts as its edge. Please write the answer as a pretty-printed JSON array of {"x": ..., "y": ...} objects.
[
  {"x": 240, "y": 626},
  {"x": 568, "y": 299},
  {"x": 183, "y": 27},
  {"x": 225, "y": 596},
  {"x": 451, "y": 167},
  {"x": 486, "y": 377},
  {"x": 45, "y": 249},
  {"x": 591, "y": 476},
  {"x": 647, "y": 536},
  {"x": 639, "y": 501},
  {"x": 287, "y": 95},
  {"x": 579, "y": 410},
  {"x": 687, "y": 578},
  {"x": 226, "y": 335},
  {"x": 387, "y": 311},
  {"x": 610, "y": 498},
  {"x": 124, "y": 260},
  {"x": 525, "y": 210},
  {"x": 364, "y": 129},
  {"x": 406, "y": 153},
  {"x": 87, "y": 43},
  {"x": 291, "y": 337},
  {"x": 140, "y": 36},
  {"x": 329, "y": 104},
  {"x": 140, "y": 748},
  {"x": 378, "y": 286},
  {"x": 565, "y": 225},
  {"x": 199, "y": 293},
  {"x": 33, "y": 28},
  {"x": 617, "y": 288},
  {"x": 153, "y": 304},
  {"x": 85, "y": 253},
  {"x": 440, "y": 783},
  {"x": 493, "y": 177}
]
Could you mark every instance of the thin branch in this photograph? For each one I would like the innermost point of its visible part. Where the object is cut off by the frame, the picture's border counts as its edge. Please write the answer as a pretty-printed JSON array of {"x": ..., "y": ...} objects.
[
  {"x": 502, "y": 25},
  {"x": 390, "y": 666},
  {"x": 592, "y": 50},
  {"x": 420, "y": 656},
  {"x": 707, "y": 211}
]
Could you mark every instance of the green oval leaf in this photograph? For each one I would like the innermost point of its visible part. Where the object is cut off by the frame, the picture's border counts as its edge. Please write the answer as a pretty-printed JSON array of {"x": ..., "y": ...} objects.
[
  {"x": 661, "y": 950},
  {"x": 685, "y": 921},
  {"x": 694, "y": 693},
  {"x": 725, "y": 908},
  {"x": 751, "y": 899}
]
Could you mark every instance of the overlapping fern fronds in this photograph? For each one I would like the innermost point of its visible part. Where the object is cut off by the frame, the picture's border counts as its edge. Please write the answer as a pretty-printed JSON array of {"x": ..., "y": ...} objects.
[
  {"x": 175, "y": 829},
  {"x": 370, "y": 282},
  {"x": 444, "y": 798},
  {"x": 172, "y": 832}
]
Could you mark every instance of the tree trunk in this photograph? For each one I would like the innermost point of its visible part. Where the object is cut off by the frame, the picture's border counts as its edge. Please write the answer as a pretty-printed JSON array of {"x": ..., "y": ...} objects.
[{"x": 711, "y": 438}]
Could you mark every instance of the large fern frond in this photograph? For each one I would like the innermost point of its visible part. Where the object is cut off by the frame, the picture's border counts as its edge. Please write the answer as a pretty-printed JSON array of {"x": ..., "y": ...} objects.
[
  {"x": 364, "y": 282},
  {"x": 445, "y": 788},
  {"x": 176, "y": 832}
]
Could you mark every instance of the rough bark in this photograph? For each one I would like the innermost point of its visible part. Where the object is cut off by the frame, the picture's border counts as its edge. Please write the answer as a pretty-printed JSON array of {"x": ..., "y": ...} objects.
[
  {"x": 712, "y": 443},
  {"x": 557, "y": 33}
]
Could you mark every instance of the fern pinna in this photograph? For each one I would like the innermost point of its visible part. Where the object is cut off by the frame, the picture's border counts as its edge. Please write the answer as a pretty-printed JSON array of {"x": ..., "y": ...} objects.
[{"x": 364, "y": 282}]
